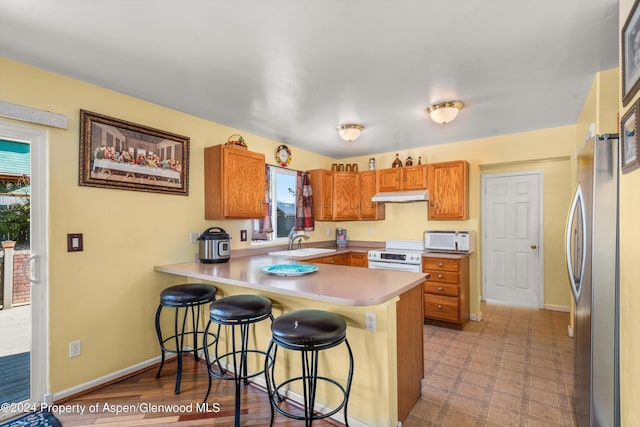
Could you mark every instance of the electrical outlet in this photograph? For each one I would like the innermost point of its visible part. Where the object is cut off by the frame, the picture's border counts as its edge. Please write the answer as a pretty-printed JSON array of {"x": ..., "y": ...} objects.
[
  {"x": 371, "y": 321},
  {"x": 329, "y": 231},
  {"x": 75, "y": 348},
  {"x": 193, "y": 237},
  {"x": 370, "y": 231}
]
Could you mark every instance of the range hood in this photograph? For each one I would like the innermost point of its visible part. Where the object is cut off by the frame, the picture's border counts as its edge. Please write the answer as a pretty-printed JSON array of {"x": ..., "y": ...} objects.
[{"x": 402, "y": 196}]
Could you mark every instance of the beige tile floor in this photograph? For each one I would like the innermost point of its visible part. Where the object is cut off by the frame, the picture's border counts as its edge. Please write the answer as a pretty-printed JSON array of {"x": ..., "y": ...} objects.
[{"x": 514, "y": 368}]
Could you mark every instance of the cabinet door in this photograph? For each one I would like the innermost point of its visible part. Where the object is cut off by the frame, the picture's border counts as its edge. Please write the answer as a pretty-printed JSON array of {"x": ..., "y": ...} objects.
[
  {"x": 369, "y": 209},
  {"x": 346, "y": 195},
  {"x": 358, "y": 260},
  {"x": 414, "y": 177},
  {"x": 389, "y": 179},
  {"x": 234, "y": 183},
  {"x": 322, "y": 187},
  {"x": 448, "y": 190},
  {"x": 244, "y": 183}
]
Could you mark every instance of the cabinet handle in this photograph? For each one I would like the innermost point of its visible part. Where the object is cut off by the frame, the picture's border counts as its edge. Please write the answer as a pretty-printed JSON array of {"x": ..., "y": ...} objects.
[
  {"x": 332, "y": 262},
  {"x": 439, "y": 306},
  {"x": 404, "y": 179},
  {"x": 397, "y": 179},
  {"x": 325, "y": 206},
  {"x": 439, "y": 276},
  {"x": 440, "y": 264},
  {"x": 440, "y": 288}
]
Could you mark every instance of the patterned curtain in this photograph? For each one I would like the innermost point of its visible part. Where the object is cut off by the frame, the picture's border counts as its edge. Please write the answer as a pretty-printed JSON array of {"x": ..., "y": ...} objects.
[
  {"x": 267, "y": 227},
  {"x": 304, "y": 203}
]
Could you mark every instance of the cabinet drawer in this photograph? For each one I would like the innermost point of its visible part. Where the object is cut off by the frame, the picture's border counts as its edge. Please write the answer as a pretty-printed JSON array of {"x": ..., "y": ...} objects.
[
  {"x": 441, "y": 289},
  {"x": 442, "y": 276},
  {"x": 441, "y": 307},
  {"x": 429, "y": 263}
]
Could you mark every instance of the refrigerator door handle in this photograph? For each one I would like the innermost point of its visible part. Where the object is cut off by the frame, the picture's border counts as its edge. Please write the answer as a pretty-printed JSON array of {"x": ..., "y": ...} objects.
[{"x": 576, "y": 243}]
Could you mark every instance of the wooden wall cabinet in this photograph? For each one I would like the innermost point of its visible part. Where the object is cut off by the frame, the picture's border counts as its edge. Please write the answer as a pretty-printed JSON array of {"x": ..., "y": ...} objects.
[
  {"x": 368, "y": 189},
  {"x": 344, "y": 195},
  {"x": 446, "y": 291},
  {"x": 322, "y": 187},
  {"x": 449, "y": 190},
  {"x": 234, "y": 183},
  {"x": 405, "y": 178}
]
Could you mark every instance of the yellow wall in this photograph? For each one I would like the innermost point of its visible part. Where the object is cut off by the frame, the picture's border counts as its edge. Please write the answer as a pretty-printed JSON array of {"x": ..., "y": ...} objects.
[
  {"x": 106, "y": 296},
  {"x": 547, "y": 149},
  {"x": 629, "y": 282}
]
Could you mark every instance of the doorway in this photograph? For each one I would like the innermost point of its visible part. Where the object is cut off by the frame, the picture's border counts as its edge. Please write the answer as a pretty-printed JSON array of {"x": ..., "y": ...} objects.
[
  {"x": 512, "y": 239},
  {"x": 37, "y": 260}
]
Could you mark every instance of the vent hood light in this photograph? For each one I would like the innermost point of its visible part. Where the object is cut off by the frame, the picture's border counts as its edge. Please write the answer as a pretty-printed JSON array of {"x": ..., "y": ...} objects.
[{"x": 402, "y": 196}]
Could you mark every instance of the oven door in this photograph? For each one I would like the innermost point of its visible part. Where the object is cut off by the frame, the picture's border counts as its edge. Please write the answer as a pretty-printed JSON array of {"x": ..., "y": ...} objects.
[{"x": 396, "y": 266}]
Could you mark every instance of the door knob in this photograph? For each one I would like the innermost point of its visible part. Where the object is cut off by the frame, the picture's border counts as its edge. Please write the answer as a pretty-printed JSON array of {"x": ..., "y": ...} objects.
[{"x": 534, "y": 246}]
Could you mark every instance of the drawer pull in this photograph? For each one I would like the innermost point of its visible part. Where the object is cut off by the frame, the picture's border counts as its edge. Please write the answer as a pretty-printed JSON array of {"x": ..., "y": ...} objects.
[
  {"x": 332, "y": 262},
  {"x": 439, "y": 276},
  {"x": 439, "y": 306},
  {"x": 440, "y": 264},
  {"x": 440, "y": 288}
]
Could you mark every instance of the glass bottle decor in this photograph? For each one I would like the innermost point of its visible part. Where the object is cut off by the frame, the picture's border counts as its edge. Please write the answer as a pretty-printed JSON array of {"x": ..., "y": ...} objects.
[
  {"x": 372, "y": 164},
  {"x": 419, "y": 160},
  {"x": 397, "y": 163},
  {"x": 409, "y": 161}
]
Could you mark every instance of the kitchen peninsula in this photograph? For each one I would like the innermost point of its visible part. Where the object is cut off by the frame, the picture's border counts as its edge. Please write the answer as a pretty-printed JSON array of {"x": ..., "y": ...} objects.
[{"x": 388, "y": 360}]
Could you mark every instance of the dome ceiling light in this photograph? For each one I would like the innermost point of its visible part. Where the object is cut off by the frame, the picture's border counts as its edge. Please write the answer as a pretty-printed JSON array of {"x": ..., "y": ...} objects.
[
  {"x": 350, "y": 131},
  {"x": 444, "y": 112}
]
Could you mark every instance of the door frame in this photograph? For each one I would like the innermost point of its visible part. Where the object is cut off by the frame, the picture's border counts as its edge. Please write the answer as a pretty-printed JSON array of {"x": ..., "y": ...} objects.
[
  {"x": 37, "y": 140},
  {"x": 539, "y": 173}
]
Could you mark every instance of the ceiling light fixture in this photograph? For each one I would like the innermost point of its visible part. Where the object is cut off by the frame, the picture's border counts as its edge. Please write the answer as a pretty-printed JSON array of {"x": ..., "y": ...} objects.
[
  {"x": 444, "y": 112},
  {"x": 350, "y": 131}
]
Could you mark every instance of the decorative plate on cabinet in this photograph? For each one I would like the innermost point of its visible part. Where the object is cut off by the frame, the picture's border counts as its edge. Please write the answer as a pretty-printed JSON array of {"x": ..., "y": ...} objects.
[{"x": 289, "y": 269}]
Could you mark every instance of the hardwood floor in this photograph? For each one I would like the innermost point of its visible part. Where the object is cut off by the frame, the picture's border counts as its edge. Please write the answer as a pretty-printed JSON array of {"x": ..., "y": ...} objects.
[{"x": 144, "y": 400}]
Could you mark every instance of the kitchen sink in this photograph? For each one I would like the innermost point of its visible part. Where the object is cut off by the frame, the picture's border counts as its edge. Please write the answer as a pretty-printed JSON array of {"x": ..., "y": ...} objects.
[{"x": 302, "y": 252}]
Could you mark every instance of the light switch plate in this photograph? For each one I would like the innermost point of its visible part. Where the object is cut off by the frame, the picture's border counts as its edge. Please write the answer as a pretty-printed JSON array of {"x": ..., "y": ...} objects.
[{"x": 74, "y": 242}]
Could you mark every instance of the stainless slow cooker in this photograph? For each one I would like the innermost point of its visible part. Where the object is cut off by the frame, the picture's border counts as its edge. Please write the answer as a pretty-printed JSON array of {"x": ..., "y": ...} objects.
[{"x": 215, "y": 245}]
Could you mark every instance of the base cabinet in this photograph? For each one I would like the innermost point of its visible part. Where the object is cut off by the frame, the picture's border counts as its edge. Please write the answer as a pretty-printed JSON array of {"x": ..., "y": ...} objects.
[{"x": 446, "y": 291}]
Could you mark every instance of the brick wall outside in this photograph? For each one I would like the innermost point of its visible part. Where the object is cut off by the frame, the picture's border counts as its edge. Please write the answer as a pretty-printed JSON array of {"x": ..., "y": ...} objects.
[{"x": 21, "y": 286}]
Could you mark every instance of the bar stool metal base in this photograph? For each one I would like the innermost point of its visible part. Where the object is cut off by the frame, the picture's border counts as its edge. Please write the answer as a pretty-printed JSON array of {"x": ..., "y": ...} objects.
[
  {"x": 309, "y": 332},
  {"x": 189, "y": 298},
  {"x": 237, "y": 311}
]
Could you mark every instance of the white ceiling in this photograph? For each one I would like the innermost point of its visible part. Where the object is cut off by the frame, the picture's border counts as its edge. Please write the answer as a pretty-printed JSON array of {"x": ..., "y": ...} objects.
[{"x": 292, "y": 70}]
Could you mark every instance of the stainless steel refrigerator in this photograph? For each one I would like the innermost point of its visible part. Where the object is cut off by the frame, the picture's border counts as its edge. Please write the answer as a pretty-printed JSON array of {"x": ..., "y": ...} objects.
[{"x": 592, "y": 262}]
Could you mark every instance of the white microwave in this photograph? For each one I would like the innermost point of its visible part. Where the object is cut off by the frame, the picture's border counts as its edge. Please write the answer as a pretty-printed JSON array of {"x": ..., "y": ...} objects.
[{"x": 460, "y": 241}]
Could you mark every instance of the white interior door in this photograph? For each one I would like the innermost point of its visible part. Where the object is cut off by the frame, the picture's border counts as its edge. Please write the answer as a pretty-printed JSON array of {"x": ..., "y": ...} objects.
[
  {"x": 512, "y": 253},
  {"x": 38, "y": 246}
]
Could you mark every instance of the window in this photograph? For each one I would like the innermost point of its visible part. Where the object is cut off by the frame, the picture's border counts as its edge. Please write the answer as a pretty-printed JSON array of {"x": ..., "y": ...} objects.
[{"x": 283, "y": 206}]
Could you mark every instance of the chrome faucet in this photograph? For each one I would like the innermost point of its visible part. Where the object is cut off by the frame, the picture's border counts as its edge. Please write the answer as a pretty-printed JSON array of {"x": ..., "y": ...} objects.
[{"x": 299, "y": 237}]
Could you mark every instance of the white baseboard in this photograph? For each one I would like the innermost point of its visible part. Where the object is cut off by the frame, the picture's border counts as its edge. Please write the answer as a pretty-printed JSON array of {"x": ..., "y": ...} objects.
[
  {"x": 476, "y": 316},
  {"x": 106, "y": 379},
  {"x": 554, "y": 307}
]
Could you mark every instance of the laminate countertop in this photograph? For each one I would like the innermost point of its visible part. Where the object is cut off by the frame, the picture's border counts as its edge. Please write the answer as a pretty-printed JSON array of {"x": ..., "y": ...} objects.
[{"x": 336, "y": 284}]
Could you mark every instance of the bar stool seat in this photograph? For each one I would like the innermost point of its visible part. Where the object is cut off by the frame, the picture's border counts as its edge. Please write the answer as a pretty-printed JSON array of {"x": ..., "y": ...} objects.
[
  {"x": 189, "y": 297},
  {"x": 307, "y": 331},
  {"x": 236, "y": 311}
]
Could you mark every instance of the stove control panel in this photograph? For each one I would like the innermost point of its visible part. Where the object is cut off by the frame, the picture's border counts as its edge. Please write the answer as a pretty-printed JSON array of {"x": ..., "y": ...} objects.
[{"x": 396, "y": 256}]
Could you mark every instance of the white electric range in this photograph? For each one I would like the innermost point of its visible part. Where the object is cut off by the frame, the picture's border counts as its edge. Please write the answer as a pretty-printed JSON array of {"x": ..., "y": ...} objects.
[{"x": 399, "y": 255}]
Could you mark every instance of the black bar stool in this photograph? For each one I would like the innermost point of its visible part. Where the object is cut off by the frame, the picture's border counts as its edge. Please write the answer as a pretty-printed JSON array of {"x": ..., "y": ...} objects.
[
  {"x": 240, "y": 311},
  {"x": 307, "y": 331},
  {"x": 188, "y": 297}
]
